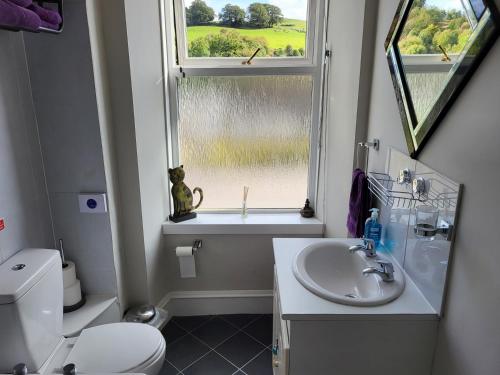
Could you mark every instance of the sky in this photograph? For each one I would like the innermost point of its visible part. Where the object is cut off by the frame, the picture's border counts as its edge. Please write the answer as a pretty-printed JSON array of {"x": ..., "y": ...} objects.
[
  {"x": 445, "y": 4},
  {"x": 295, "y": 9}
]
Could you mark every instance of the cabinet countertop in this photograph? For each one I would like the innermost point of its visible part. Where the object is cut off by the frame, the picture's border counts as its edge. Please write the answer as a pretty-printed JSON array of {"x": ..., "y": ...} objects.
[{"x": 297, "y": 303}]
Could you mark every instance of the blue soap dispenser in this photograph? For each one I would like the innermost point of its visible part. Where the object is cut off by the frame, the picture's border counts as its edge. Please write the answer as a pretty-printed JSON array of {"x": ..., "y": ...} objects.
[{"x": 373, "y": 229}]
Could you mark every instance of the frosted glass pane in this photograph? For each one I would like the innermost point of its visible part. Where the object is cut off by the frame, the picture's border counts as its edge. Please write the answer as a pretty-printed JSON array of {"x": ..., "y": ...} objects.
[
  {"x": 218, "y": 29},
  {"x": 253, "y": 131},
  {"x": 425, "y": 88}
]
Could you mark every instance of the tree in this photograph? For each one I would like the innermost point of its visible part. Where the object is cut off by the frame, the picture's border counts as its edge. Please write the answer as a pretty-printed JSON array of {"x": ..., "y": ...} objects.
[
  {"x": 446, "y": 39},
  {"x": 227, "y": 43},
  {"x": 275, "y": 15},
  {"x": 419, "y": 3},
  {"x": 258, "y": 15},
  {"x": 199, "y": 13},
  {"x": 411, "y": 45},
  {"x": 232, "y": 15},
  {"x": 199, "y": 48}
]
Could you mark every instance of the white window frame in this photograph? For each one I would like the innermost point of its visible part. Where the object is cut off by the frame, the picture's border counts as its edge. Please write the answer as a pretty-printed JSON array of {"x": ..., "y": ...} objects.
[{"x": 178, "y": 65}]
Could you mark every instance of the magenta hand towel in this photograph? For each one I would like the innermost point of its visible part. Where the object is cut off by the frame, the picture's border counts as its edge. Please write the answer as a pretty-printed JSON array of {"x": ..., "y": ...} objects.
[
  {"x": 359, "y": 204},
  {"x": 16, "y": 17},
  {"x": 48, "y": 15}
]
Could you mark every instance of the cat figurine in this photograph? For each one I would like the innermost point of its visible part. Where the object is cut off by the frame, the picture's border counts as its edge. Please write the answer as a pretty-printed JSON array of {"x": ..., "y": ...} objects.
[{"x": 182, "y": 196}]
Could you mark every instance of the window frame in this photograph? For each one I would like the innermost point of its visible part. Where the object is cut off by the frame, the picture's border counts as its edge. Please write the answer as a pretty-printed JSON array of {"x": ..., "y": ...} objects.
[
  {"x": 184, "y": 60},
  {"x": 313, "y": 64}
]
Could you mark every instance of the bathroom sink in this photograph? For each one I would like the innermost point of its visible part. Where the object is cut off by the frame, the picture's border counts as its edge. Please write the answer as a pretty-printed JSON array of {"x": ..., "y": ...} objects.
[{"x": 330, "y": 271}]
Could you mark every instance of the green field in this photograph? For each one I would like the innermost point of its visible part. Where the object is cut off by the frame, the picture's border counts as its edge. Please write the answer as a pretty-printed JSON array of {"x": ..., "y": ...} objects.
[{"x": 289, "y": 32}]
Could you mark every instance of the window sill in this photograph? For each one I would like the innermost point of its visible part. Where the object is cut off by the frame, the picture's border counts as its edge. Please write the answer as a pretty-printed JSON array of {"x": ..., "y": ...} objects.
[{"x": 260, "y": 224}]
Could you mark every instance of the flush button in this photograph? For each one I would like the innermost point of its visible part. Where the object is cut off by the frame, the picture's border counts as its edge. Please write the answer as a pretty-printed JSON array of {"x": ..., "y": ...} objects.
[{"x": 18, "y": 267}]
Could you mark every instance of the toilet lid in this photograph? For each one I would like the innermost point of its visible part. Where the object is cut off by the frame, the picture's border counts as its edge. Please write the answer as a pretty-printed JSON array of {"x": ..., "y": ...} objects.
[{"x": 117, "y": 347}]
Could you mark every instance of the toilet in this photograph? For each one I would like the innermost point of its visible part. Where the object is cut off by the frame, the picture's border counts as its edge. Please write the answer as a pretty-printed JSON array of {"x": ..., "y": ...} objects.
[{"x": 31, "y": 318}]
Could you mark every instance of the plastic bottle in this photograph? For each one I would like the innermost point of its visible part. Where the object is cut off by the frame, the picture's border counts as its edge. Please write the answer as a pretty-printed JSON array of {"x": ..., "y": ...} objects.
[{"x": 373, "y": 229}]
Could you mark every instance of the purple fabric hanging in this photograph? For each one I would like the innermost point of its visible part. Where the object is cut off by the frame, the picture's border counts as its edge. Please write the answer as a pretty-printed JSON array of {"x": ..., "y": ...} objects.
[
  {"x": 50, "y": 16},
  {"x": 49, "y": 25},
  {"x": 359, "y": 204},
  {"x": 22, "y": 3},
  {"x": 16, "y": 17}
]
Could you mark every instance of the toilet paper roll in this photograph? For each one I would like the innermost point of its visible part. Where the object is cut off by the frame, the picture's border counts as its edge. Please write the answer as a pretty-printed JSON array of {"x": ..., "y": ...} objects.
[
  {"x": 186, "y": 261},
  {"x": 72, "y": 294},
  {"x": 69, "y": 274}
]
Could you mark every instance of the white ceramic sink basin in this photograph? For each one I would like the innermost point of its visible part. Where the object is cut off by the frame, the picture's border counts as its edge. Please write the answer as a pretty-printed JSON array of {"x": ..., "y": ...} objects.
[{"x": 328, "y": 270}]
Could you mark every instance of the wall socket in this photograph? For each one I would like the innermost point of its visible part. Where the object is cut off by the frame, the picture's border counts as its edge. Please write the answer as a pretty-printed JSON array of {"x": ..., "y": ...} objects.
[{"x": 93, "y": 203}]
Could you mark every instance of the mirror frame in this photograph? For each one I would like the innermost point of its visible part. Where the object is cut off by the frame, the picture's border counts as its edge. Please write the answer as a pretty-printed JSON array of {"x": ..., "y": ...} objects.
[{"x": 417, "y": 134}]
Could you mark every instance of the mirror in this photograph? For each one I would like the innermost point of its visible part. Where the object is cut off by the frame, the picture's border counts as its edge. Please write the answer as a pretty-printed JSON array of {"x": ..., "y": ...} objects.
[{"x": 433, "y": 48}]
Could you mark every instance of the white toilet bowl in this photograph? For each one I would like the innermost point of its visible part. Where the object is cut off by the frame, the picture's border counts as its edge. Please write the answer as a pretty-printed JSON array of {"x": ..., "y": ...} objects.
[
  {"x": 118, "y": 348},
  {"x": 31, "y": 326}
]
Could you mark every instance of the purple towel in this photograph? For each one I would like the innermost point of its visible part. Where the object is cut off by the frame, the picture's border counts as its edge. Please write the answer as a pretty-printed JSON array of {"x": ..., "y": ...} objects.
[
  {"x": 49, "y": 25},
  {"x": 22, "y": 3},
  {"x": 48, "y": 15},
  {"x": 17, "y": 17},
  {"x": 359, "y": 203}
]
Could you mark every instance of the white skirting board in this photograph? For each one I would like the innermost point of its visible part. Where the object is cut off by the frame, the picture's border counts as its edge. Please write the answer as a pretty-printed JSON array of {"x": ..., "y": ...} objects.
[{"x": 218, "y": 302}]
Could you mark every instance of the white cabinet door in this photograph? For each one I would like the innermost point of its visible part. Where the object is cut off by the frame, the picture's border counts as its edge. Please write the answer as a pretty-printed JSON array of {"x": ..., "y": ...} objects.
[{"x": 281, "y": 346}]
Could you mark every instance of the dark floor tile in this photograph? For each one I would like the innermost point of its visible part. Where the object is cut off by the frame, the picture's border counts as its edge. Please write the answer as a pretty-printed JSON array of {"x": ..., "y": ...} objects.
[
  {"x": 261, "y": 365},
  {"x": 172, "y": 332},
  {"x": 211, "y": 364},
  {"x": 185, "y": 351},
  {"x": 191, "y": 322},
  {"x": 261, "y": 329},
  {"x": 214, "y": 331},
  {"x": 239, "y": 349},
  {"x": 168, "y": 369},
  {"x": 240, "y": 320}
]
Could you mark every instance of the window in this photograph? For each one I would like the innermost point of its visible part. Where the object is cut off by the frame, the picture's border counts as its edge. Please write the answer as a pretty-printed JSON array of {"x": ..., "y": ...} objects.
[{"x": 234, "y": 123}]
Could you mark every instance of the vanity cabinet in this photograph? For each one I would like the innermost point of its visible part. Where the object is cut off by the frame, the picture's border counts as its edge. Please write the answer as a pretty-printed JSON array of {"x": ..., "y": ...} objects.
[
  {"x": 281, "y": 343},
  {"x": 313, "y": 336}
]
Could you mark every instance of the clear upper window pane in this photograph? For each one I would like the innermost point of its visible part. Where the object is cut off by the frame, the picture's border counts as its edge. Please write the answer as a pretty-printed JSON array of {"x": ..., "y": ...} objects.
[
  {"x": 246, "y": 131},
  {"x": 218, "y": 28}
]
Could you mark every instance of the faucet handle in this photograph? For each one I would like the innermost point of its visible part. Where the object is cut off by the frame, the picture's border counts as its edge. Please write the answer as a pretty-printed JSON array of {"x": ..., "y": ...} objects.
[
  {"x": 369, "y": 243},
  {"x": 388, "y": 267}
]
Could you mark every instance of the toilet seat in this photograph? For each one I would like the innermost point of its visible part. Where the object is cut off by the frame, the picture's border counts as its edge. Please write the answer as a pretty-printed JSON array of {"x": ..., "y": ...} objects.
[{"x": 117, "y": 348}]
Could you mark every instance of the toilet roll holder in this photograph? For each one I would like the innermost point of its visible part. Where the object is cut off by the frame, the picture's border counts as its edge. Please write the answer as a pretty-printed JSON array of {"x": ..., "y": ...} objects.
[{"x": 197, "y": 245}]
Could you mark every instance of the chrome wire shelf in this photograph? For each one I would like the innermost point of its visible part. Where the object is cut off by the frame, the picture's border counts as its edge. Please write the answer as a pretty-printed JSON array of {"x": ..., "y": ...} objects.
[{"x": 390, "y": 193}]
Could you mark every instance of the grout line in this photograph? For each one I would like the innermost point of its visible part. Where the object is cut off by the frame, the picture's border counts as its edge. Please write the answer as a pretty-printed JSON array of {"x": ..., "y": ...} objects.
[
  {"x": 254, "y": 339},
  {"x": 213, "y": 349},
  {"x": 198, "y": 360},
  {"x": 171, "y": 364},
  {"x": 196, "y": 327},
  {"x": 254, "y": 357},
  {"x": 245, "y": 325},
  {"x": 178, "y": 338}
]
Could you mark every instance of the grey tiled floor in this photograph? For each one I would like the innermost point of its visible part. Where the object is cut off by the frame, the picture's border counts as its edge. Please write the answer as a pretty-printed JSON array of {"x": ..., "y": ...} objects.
[{"x": 218, "y": 345}]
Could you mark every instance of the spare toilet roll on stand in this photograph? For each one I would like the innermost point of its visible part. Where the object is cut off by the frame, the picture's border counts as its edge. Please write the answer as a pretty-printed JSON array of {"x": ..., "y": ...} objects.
[
  {"x": 73, "y": 298},
  {"x": 186, "y": 259}
]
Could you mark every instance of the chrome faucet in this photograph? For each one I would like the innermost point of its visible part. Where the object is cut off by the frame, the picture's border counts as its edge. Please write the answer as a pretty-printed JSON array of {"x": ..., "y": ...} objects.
[
  {"x": 368, "y": 246},
  {"x": 386, "y": 271}
]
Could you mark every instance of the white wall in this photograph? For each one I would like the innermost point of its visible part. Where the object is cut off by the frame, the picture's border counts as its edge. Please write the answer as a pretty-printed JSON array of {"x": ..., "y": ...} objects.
[
  {"x": 23, "y": 195},
  {"x": 64, "y": 95},
  {"x": 127, "y": 53},
  {"x": 466, "y": 148},
  {"x": 349, "y": 30}
]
